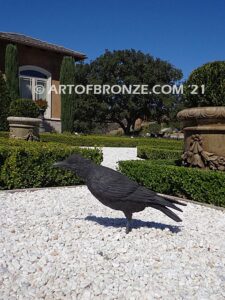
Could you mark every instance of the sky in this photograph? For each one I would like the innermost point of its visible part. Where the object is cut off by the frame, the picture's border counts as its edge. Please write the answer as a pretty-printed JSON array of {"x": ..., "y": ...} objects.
[{"x": 187, "y": 33}]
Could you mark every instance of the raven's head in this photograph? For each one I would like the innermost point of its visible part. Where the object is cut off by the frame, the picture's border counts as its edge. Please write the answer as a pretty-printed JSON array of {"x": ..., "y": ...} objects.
[{"x": 76, "y": 163}]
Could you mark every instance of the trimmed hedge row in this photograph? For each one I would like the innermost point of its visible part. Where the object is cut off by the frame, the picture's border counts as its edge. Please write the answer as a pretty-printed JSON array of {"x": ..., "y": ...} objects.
[
  {"x": 4, "y": 134},
  {"x": 147, "y": 152},
  {"x": 164, "y": 177},
  {"x": 108, "y": 141},
  {"x": 29, "y": 164}
]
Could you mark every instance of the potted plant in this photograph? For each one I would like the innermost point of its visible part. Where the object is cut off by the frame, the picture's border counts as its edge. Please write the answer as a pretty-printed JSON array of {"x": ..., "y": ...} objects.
[
  {"x": 23, "y": 121},
  {"x": 204, "y": 121},
  {"x": 42, "y": 106}
]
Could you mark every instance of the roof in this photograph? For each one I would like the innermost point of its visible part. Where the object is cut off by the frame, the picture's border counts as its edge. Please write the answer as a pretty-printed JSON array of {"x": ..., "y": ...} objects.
[{"x": 29, "y": 41}]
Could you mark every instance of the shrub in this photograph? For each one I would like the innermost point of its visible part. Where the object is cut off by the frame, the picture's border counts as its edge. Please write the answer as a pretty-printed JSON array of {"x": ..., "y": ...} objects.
[
  {"x": 26, "y": 165},
  {"x": 4, "y": 103},
  {"x": 172, "y": 124},
  {"x": 212, "y": 76},
  {"x": 154, "y": 128},
  {"x": 11, "y": 70},
  {"x": 4, "y": 134},
  {"x": 199, "y": 185},
  {"x": 147, "y": 152},
  {"x": 24, "y": 108},
  {"x": 116, "y": 132},
  {"x": 109, "y": 141}
]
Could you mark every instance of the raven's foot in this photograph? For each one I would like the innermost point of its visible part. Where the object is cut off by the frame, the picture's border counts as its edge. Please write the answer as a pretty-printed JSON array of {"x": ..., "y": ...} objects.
[
  {"x": 128, "y": 216},
  {"x": 128, "y": 227}
]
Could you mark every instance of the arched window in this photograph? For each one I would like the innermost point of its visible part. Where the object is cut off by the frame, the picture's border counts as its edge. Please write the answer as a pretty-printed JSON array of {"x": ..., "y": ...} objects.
[{"x": 34, "y": 84}]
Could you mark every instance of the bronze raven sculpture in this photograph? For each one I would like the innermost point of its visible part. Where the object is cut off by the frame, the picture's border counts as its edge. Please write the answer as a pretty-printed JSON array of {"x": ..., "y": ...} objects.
[{"x": 117, "y": 191}]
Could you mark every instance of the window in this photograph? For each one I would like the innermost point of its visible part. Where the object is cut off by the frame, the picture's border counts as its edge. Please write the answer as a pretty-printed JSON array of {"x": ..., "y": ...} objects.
[
  {"x": 30, "y": 78},
  {"x": 33, "y": 73},
  {"x": 29, "y": 84},
  {"x": 28, "y": 88}
]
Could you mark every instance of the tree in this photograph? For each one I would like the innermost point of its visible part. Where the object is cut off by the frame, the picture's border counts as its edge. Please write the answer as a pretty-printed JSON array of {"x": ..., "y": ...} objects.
[
  {"x": 210, "y": 82},
  {"x": 67, "y": 75},
  {"x": 11, "y": 70},
  {"x": 4, "y": 103},
  {"x": 129, "y": 67},
  {"x": 88, "y": 115}
]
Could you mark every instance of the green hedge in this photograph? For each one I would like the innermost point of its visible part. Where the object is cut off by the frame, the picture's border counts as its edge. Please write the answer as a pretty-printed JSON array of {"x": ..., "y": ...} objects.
[
  {"x": 4, "y": 134},
  {"x": 109, "y": 141},
  {"x": 29, "y": 164},
  {"x": 147, "y": 152},
  {"x": 164, "y": 177}
]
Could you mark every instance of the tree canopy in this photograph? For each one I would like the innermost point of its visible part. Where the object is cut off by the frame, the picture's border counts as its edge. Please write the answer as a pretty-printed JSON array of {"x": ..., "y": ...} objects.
[
  {"x": 211, "y": 76},
  {"x": 124, "y": 67}
]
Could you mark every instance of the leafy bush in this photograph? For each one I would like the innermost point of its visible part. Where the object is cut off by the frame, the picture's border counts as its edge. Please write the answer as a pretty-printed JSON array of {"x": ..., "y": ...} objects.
[
  {"x": 26, "y": 165},
  {"x": 116, "y": 132},
  {"x": 109, "y": 141},
  {"x": 212, "y": 75},
  {"x": 164, "y": 177},
  {"x": 147, "y": 152},
  {"x": 175, "y": 125},
  {"x": 172, "y": 124},
  {"x": 154, "y": 128},
  {"x": 24, "y": 108},
  {"x": 4, "y": 134}
]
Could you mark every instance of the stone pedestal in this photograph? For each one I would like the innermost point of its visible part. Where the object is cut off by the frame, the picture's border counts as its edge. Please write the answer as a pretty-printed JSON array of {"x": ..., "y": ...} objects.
[
  {"x": 24, "y": 128},
  {"x": 41, "y": 117},
  {"x": 204, "y": 137}
]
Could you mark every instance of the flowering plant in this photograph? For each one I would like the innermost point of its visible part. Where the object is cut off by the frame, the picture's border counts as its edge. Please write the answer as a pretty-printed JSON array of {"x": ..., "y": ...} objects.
[{"x": 41, "y": 104}]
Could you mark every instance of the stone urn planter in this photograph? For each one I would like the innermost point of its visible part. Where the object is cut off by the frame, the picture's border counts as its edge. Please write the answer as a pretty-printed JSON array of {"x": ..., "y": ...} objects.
[
  {"x": 24, "y": 128},
  {"x": 204, "y": 137}
]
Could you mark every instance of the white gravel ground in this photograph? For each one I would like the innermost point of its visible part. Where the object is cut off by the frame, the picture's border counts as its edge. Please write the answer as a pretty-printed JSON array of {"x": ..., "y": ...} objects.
[{"x": 63, "y": 244}]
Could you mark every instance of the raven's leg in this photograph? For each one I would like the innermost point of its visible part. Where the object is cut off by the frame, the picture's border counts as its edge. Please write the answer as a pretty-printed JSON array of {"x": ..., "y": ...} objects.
[{"x": 128, "y": 216}]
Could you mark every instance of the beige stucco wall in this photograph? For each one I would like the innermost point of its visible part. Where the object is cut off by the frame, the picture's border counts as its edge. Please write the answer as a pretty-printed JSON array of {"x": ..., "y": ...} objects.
[{"x": 56, "y": 102}]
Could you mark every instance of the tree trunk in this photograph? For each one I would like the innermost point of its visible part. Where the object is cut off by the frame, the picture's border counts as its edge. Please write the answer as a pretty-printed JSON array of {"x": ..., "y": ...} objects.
[
  {"x": 127, "y": 128},
  {"x": 133, "y": 125}
]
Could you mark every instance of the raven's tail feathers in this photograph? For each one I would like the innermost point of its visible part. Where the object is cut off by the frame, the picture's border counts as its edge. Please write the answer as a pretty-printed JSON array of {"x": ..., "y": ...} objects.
[
  {"x": 174, "y": 201},
  {"x": 167, "y": 212},
  {"x": 161, "y": 201},
  {"x": 170, "y": 213}
]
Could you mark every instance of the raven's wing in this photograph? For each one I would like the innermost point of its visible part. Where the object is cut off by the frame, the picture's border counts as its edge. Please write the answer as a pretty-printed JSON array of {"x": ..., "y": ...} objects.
[
  {"x": 115, "y": 186},
  {"x": 112, "y": 185}
]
